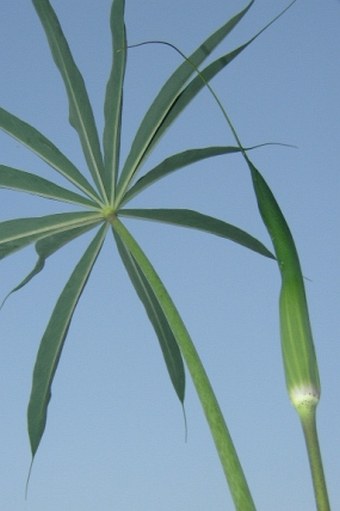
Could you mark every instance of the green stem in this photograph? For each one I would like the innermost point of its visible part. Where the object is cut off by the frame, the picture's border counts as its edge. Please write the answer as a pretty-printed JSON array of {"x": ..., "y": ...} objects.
[
  {"x": 308, "y": 421},
  {"x": 231, "y": 465}
]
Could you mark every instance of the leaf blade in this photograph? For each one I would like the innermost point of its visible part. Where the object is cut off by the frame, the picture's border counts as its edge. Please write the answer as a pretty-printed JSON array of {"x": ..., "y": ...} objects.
[
  {"x": 45, "y": 248},
  {"x": 80, "y": 111},
  {"x": 46, "y": 150},
  {"x": 114, "y": 96},
  {"x": 196, "y": 220},
  {"x": 175, "y": 162},
  {"x": 20, "y": 232},
  {"x": 52, "y": 343},
  {"x": 171, "y": 353},
  {"x": 20, "y": 180}
]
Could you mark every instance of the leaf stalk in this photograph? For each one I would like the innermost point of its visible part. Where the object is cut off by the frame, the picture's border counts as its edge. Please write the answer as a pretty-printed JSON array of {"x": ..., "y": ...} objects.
[
  {"x": 308, "y": 422},
  {"x": 231, "y": 465}
]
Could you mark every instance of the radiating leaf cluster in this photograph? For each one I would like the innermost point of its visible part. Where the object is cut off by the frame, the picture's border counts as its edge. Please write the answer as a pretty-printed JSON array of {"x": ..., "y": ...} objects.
[{"x": 100, "y": 200}]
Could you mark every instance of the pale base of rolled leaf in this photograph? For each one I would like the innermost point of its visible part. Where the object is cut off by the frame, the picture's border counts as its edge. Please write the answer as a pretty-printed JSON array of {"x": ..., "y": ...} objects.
[{"x": 304, "y": 397}]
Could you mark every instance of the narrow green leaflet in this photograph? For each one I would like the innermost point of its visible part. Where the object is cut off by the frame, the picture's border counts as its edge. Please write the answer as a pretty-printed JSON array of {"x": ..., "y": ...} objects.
[
  {"x": 46, "y": 150},
  {"x": 196, "y": 220},
  {"x": 223, "y": 442},
  {"x": 81, "y": 115},
  {"x": 53, "y": 341},
  {"x": 171, "y": 353},
  {"x": 173, "y": 163},
  {"x": 114, "y": 96},
  {"x": 15, "y": 179},
  {"x": 45, "y": 248},
  {"x": 165, "y": 100},
  {"x": 17, "y": 234}
]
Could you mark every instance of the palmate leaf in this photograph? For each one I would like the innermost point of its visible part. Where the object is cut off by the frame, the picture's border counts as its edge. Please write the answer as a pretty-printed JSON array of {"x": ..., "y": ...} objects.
[
  {"x": 196, "y": 220},
  {"x": 46, "y": 150},
  {"x": 81, "y": 115},
  {"x": 165, "y": 100},
  {"x": 17, "y": 234},
  {"x": 171, "y": 353},
  {"x": 45, "y": 248},
  {"x": 53, "y": 231},
  {"x": 20, "y": 180},
  {"x": 53, "y": 341},
  {"x": 114, "y": 96}
]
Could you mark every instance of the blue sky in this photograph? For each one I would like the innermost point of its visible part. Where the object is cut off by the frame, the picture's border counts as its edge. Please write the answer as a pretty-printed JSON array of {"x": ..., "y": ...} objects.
[{"x": 115, "y": 437}]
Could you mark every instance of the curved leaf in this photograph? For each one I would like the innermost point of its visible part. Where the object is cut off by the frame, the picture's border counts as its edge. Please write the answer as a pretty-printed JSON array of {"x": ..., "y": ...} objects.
[
  {"x": 20, "y": 180},
  {"x": 45, "y": 248},
  {"x": 171, "y": 353},
  {"x": 196, "y": 220},
  {"x": 17, "y": 234},
  {"x": 81, "y": 115},
  {"x": 46, "y": 150},
  {"x": 203, "y": 77},
  {"x": 53, "y": 341},
  {"x": 114, "y": 96},
  {"x": 165, "y": 100}
]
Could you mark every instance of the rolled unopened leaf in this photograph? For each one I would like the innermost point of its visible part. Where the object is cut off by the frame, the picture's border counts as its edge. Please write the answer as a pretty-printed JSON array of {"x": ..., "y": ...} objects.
[
  {"x": 300, "y": 363},
  {"x": 301, "y": 369}
]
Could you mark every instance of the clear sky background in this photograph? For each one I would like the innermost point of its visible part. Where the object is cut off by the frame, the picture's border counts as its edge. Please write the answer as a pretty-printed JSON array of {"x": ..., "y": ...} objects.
[{"x": 115, "y": 438}]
